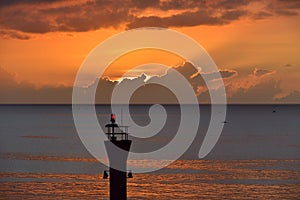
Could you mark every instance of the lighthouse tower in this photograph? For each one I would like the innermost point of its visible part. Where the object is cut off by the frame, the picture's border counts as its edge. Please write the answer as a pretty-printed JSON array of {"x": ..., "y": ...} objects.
[{"x": 117, "y": 159}]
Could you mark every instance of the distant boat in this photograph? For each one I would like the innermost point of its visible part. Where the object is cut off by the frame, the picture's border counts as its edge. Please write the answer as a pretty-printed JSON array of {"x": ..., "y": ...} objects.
[{"x": 225, "y": 122}]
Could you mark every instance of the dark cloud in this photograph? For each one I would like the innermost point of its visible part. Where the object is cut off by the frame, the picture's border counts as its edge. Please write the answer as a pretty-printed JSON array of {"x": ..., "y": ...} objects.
[
  {"x": 228, "y": 73},
  {"x": 233, "y": 15},
  {"x": 201, "y": 17},
  {"x": 288, "y": 65},
  {"x": 6, "y": 34},
  {"x": 85, "y": 16},
  {"x": 293, "y": 97},
  {"x": 6, "y": 78},
  {"x": 203, "y": 4},
  {"x": 21, "y": 20},
  {"x": 23, "y": 92},
  {"x": 152, "y": 21},
  {"x": 190, "y": 72},
  {"x": 4, "y": 3},
  {"x": 261, "y": 15},
  {"x": 187, "y": 70},
  {"x": 284, "y": 7},
  {"x": 224, "y": 74},
  {"x": 263, "y": 92},
  {"x": 180, "y": 4},
  {"x": 144, "y": 95},
  {"x": 231, "y": 4},
  {"x": 31, "y": 26},
  {"x": 261, "y": 72},
  {"x": 145, "y": 3},
  {"x": 197, "y": 79},
  {"x": 286, "y": 12},
  {"x": 154, "y": 93},
  {"x": 286, "y": 4},
  {"x": 33, "y": 16}
]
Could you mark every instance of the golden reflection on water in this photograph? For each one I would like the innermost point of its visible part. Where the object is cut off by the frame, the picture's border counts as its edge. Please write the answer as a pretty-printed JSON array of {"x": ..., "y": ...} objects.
[{"x": 192, "y": 179}]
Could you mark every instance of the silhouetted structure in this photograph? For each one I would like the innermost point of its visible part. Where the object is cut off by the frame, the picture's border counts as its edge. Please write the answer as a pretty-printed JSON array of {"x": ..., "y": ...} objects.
[{"x": 117, "y": 157}]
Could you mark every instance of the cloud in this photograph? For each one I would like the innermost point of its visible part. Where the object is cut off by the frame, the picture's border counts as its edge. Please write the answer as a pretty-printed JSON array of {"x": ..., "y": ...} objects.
[
  {"x": 185, "y": 4},
  {"x": 51, "y": 16},
  {"x": 284, "y": 4},
  {"x": 292, "y": 97},
  {"x": 13, "y": 91},
  {"x": 142, "y": 4},
  {"x": 184, "y": 19},
  {"x": 196, "y": 18},
  {"x": 32, "y": 16},
  {"x": 287, "y": 8},
  {"x": 154, "y": 93},
  {"x": 263, "y": 92},
  {"x": 145, "y": 95},
  {"x": 6, "y": 78},
  {"x": 261, "y": 72},
  {"x": 6, "y": 34},
  {"x": 286, "y": 12},
  {"x": 261, "y": 15},
  {"x": 4, "y": 3},
  {"x": 288, "y": 65},
  {"x": 227, "y": 73},
  {"x": 263, "y": 89}
]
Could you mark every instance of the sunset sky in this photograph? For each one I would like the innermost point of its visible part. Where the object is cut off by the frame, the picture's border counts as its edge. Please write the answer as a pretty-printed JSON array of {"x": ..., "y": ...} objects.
[{"x": 43, "y": 43}]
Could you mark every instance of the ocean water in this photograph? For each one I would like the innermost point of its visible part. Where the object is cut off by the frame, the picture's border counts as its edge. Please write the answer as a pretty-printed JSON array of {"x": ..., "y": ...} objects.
[{"x": 256, "y": 157}]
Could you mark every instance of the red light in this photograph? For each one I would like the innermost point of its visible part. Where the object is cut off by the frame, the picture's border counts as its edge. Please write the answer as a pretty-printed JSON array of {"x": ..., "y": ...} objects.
[{"x": 112, "y": 118}]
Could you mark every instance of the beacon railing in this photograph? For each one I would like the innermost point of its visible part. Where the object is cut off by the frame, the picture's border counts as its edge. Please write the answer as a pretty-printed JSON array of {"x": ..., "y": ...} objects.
[{"x": 115, "y": 132}]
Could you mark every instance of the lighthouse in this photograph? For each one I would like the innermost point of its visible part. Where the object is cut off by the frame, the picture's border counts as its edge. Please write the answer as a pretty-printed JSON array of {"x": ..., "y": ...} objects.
[{"x": 117, "y": 147}]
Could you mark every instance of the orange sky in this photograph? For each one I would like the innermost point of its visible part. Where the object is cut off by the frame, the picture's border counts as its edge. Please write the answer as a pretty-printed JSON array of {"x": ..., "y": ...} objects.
[{"x": 44, "y": 44}]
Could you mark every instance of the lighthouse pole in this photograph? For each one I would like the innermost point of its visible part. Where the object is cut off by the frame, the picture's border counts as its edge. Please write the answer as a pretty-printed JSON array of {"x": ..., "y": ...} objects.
[{"x": 118, "y": 159}]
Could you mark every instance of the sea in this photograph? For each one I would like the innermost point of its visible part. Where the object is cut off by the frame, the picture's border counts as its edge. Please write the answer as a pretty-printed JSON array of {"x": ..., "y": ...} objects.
[{"x": 256, "y": 157}]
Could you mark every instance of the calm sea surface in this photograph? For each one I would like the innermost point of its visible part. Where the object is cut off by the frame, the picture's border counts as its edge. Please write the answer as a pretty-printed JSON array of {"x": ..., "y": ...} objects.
[{"x": 256, "y": 157}]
